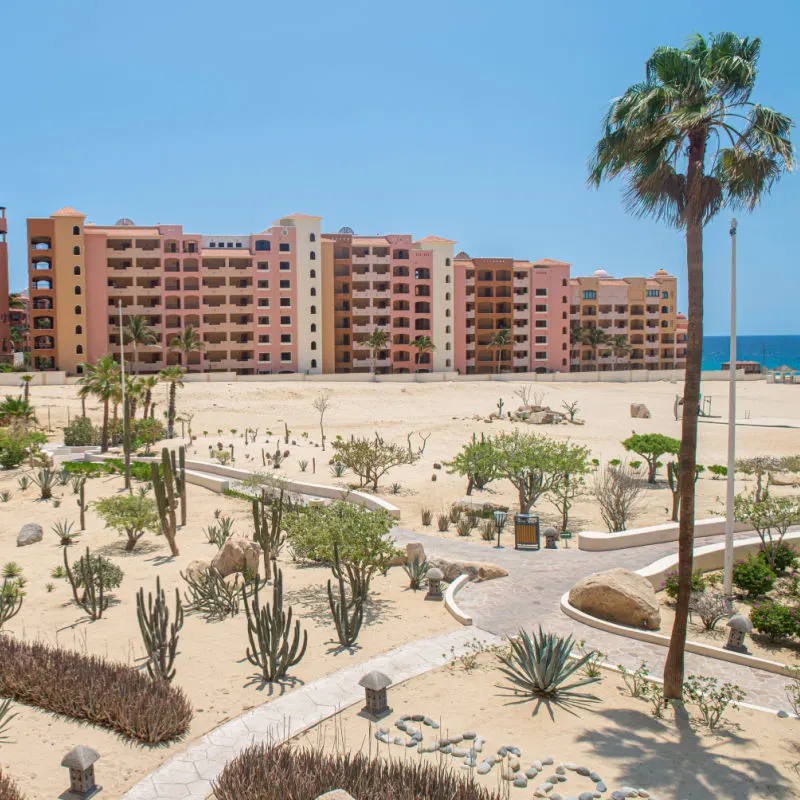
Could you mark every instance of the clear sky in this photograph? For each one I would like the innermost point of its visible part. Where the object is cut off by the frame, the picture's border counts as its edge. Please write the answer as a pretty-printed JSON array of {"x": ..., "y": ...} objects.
[{"x": 465, "y": 119}]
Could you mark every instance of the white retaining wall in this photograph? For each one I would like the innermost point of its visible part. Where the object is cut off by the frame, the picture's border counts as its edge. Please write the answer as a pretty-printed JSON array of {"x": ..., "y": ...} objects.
[
  {"x": 653, "y": 534},
  {"x": 39, "y": 378}
]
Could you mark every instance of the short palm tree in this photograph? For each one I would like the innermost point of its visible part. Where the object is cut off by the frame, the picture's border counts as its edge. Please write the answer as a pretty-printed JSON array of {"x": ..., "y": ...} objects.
[
  {"x": 424, "y": 344},
  {"x": 16, "y": 409},
  {"x": 594, "y": 338},
  {"x": 376, "y": 341},
  {"x": 620, "y": 346},
  {"x": 500, "y": 340},
  {"x": 689, "y": 141},
  {"x": 149, "y": 382},
  {"x": 138, "y": 333},
  {"x": 101, "y": 379},
  {"x": 15, "y": 300},
  {"x": 174, "y": 377},
  {"x": 26, "y": 386},
  {"x": 188, "y": 341}
]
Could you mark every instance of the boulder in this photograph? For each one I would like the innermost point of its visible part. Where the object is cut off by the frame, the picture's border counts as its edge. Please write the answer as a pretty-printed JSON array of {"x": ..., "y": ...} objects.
[
  {"x": 468, "y": 504},
  {"x": 29, "y": 533},
  {"x": 236, "y": 555},
  {"x": 415, "y": 550},
  {"x": 619, "y": 596},
  {"x": 196, "y": 568},
  {"x": 477, "y": 570},
  {"x": 542, "y": 418},
  {"x": 640, "y": 411},
  {"x": 336, "y": 794}
]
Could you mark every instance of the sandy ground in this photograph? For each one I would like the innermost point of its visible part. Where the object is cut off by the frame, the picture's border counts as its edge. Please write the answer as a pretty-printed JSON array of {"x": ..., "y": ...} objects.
[
  {"x": 445, "y": 412},
  {"x": 752, "y": 755},
  {"x": 211, "y": 665}
]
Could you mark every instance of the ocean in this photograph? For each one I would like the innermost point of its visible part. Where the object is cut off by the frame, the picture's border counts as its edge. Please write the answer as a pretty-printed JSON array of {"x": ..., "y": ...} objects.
[{"x": 769, "y": 351}]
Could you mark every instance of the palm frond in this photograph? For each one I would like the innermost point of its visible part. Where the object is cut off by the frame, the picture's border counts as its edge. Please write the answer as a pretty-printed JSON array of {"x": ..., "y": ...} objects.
[{"x": 745, "y": 177}]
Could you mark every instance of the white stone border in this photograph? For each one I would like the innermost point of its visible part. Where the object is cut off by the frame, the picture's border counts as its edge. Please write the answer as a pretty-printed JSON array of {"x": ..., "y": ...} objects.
[
  {"x": 450, "y": 599},
  {"x": 597, "y": 541}
]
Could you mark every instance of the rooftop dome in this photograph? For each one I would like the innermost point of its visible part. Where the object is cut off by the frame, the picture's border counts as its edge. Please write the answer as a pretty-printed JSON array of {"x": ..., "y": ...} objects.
[
  {"x": 600, "y": 273},
  {"x": 345, "y": 229},
  {"x": 124, "y": 223},
  {"x": 661, "y": 273},
  {"x": 462, "y": 256}
]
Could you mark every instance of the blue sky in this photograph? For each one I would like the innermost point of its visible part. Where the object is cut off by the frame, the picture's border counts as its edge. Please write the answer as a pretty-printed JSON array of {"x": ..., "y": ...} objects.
[{"x": 471, "y": 120}]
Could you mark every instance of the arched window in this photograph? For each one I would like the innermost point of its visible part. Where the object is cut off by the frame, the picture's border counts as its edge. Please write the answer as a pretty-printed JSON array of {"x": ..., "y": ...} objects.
[
  {"x": 563, "y": 315},
  {"x": 78, "y": 329},
  {"x": 76, "y": 251},
  {"x": 312, "y": 237},
  {"x": 76, "y": 231},
  {"x": 312, "y": 255},
  {"x": 564, "y": 299},
  {"x": 79, "y": 349},
  {"x": 447, "y": 312},
  {"x": 447, "y": 329},
  {"x": 447, "y": 295},
  {"x": 313, "y": 345},
  {"x": 447, "y": 362},
  {"x": 313, "y": 327},
  {"x": 78, "y": 310},
  {"x": 76, "y": 270},
  {"x": 447, "y": 346},
  {"x": 313, "y": 309},
  {"x": 313, "y": 273},
  {"x": 313, "y": 292},
  {"x": 77, "y": 290},
  {"x": 313, "y": 360},
  {"x": 447, "y": 262},
  {"x": 447, "y": 279}
]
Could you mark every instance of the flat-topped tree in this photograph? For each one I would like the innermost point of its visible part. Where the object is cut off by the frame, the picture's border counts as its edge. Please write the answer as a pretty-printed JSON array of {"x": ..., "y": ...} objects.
[
  {"x": 129, "y": 514},
  {"x": 688, "y": 141},
  {"x": 651, "y": 446}
]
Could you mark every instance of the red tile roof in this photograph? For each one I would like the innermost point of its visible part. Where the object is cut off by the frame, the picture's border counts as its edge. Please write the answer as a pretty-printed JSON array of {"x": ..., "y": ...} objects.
[
  {"x": 67, "y": 212},
  {"x": 436, "y": 240}
]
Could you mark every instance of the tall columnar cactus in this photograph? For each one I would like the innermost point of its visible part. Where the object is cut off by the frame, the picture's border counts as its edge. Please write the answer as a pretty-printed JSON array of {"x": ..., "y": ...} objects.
[
  {"x": 164, "y": 489},
  {"x": 160, "y": 636},
  {"x": 274, "y": 645},
  {"x": 348, "y": 623},
  {"x": 286, "y": 432},
  {"x": 88, "y": 576},
  {"x": 267, "y": 529},
  {"x": 10, "y": 600},
  {"x": 81, "y": 484},
  {"x": 179, "y": 474}
]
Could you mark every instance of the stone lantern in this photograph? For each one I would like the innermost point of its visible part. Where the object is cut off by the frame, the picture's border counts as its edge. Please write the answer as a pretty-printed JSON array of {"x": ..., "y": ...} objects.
[
  {"x": 435, "y": 577},
  {"x": 739, "y": 628},
  {"x": 80, "y": 763},
  {"x": 551, "y": 537},
  {"x": 375, "y": 684}
]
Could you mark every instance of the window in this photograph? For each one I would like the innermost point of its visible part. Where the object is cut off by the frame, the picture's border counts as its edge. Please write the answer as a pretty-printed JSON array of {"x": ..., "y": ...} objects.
[
  {"x": 313, "y": 345},
  {"x": 447, "y": 262},
  {"x": 263, "y": 266},
  {"x": 312, "y": 274},
  {"x": 285, "y": 265},
  {"x": 77, "y": 290},
  {"x": 447, "y": 312},
  {"x": 541, "y": 292},
  {"x": 261, "y": 244},
  {"x": 664, "y": 310},
  {"x": 78, "y": 329},
  {"x": 447, "y": 279},
  {"x": 313, "y": 363},
  {"x": 447, "y": 329},
  {"x": 540, "y": 339},
  {"x": 263, "y": 338},
  {"x": 76, "y": 251},
  {"x": 76, "y": 270},
  {"x": 447, "y": 295},
  {"x": 563, "y": 281},
  {"x": 313, "y": 327},
  {"x": 665, "y": 295},
  {"x": 447, "y": 346},
  {"x": 286, "y": 320},
  {"x": 589, "y": 294},
  {"x": 563, "y": 315},
  {"x": 79, "y": 349},
  {"x": 214, "y": 244},
  {"x": 76, "y": 231},
  {"x": 264, "y": 357},
  {"x": 286, "y": 338},
  {"x": 313, "y": 309},
  {"x": 238, "y": 244},
  {"x": 263, "y": 284},
  {"x": 312, "y": 237},
  {"x": 285, "y": 283},
  {"x": 230, "y": 244},
  {"x": 312, "y": 255},
  {"x": 653, "y": 293},
  {"x": 541, "y": 309},
  {"x": 564, "y": 299},
  {"x": 564, "y": 331},
  {"x": 263, "y": 302},
  {"x": 541, "y": 323},
  {"x": 541, "y": 355},
  {"x": 313, "y": 292},
  {"x": 285, "y": 247},
  {"x": 564, "y": 346},
  {"x": 78, "y": 310},
  {"x": 286, "y": 356},
  {"x": 447, "y": 362},
  {"x": 286, "y": 302}
]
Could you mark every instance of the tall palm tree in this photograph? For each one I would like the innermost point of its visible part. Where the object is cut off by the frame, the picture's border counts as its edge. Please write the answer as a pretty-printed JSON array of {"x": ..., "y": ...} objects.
[
  {"x": 174, "y": 377},
  {"x": 101, "y": 379},
  {"x": 188, "y": 341},
  {"x": 149, "y": 382},
  {"x": 595, "y": 338},
  {"x": 500, "y": 339},
  {"x": 620, "y": 346},
  {"x": 689, "y": 141},
  {"x": 424, "y": 344},
  {"x": 138, "y": 333},
  {"x": 376, "y": 341}
]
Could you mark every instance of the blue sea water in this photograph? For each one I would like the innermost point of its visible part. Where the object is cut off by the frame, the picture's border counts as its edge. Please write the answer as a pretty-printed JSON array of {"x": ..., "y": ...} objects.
[{"x": 769, "y": 351}]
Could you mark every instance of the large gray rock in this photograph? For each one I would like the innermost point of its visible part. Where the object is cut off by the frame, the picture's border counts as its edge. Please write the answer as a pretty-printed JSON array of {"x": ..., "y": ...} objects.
[
  {"x": 415, "y": 550},
  {"x": 236, "y": 555},
  {"x": 29, "y": 533},
  {"x": 619, "y": 596},
  {"x": 477, "y": 570},
  {"x": 640, "y": 411}
]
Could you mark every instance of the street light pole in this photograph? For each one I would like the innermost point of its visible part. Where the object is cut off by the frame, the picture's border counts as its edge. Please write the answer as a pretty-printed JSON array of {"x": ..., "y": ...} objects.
[
  {"x": 125, "y": 416},
  {"x": 728, "y": 571}
]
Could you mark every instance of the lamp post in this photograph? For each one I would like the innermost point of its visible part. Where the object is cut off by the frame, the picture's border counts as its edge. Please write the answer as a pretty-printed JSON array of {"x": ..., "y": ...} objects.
[
  {"x": 728, "y": 563},
  {"x": 499, "y": 522},
  {"x": 125, "y": 415}
]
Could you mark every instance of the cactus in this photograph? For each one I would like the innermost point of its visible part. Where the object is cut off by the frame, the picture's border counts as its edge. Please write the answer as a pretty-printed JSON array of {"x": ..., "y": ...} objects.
[
  {"x": 179, "y": 476},
  {"x": 164, "y": 489},
  {"x": 160, "y": 637},
  {"x": 267, "y": 532},
  {"x": 10, "y": 600},
  {"x": 91, "y": 578},
  {"x": 286, "y": 433},
  {"x": 348, "y": 623},
  {"x": 275, "y": 645},
  {"x": 79, "y": 486},
  {"x": 211, "y": 595}
]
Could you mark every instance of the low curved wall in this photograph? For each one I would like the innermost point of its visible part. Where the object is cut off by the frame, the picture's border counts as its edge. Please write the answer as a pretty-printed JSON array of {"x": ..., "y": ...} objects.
[
  {"x": 450, "y": 600},
  {"x": 596, "y": 541}
]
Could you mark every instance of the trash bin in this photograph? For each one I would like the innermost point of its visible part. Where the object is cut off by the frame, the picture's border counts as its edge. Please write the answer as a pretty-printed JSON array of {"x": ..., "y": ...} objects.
[{"x": 526, "y": 532}]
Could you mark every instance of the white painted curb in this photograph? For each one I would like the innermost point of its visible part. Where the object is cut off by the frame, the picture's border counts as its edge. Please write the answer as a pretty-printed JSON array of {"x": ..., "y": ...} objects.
[{"x": 450, "y": 599}]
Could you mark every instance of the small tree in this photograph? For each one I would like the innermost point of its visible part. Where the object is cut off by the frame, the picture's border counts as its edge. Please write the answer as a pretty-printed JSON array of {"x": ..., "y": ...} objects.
[
  {"x": 571, "y": 408},
  {"x": 771, "y": 517},
  {"x": 673, "y": 479},
  {"x": 370, "y": 458},
  {"x": 759, "y": 466},
  {"x": 129, "y": 514},
  {"x": 321, "y": 403},
  {"x": 477, "y": 462},
  {"x": 616, "y": 490},
  {"x": 651, "y": 446},
  {"x": 567, "y": 489}
]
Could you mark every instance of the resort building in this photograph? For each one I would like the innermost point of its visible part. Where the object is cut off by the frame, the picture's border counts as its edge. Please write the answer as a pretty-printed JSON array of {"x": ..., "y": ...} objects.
[
  {"x": 295, "y": 299},
  {"x": 6, "y": 350},
  {"x": 625, "y": 323}
]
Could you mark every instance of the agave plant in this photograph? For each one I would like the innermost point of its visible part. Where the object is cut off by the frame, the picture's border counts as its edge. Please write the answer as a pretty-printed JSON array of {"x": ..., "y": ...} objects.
[
  {"x": 64, "y": 532},
  {"x": 45, "y": 479},
  {"x": 542, "y": 667},
  {"x": 417, "y": 572}
]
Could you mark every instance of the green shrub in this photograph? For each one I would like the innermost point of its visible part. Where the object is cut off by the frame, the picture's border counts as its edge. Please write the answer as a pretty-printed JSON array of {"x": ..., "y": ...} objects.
[
  {"x": 109, "y": 573},
  {"x": 80, "y": 433},
  {"x": 775, "y": 620},
  {"x": 753, "y": 576},
  {"x": 670, "y": 583},
  {"x": 785, "y": 556},
  {"x": 717, "y": 471},
  {"x": 15, "y": 445}
]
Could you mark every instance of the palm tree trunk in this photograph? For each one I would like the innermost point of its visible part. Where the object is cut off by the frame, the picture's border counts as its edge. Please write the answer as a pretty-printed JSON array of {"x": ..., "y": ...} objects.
[
  {"x": 171, "y": 411},
  {"x": 133, "y": 349},
  {"x": 687, "y": 456},
  {"x": 104, "y": 434}
]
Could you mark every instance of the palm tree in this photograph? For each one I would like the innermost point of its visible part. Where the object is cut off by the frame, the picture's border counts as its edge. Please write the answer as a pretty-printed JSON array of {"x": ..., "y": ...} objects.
[
  {"x": 26, "y": 386},
  {"x": 424, "y": 344},
  {"x": 138, "y": 332},
  {"x": 187, "y": 342},
  {"x": 594, "y": 338},
  {"x": 15, "y": 300},
  {"x": 620, "y": 346},
  {"x": 16, "y": 409},
  {"x": 376, "y": 341},
  {"x": 174, "y": 377},
  {"x": 101, "y": 379},
  {"x": 149, "y": 382},
  {"x": 689, "y": 141},
  {"x": 500, "y": 339}
]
